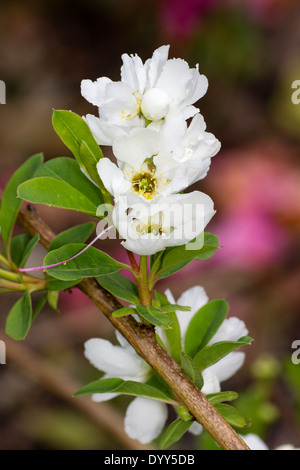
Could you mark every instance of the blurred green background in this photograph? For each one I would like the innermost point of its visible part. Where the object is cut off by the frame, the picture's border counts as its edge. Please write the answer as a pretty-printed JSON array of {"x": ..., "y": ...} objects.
[{"x": 249, "y": 50}]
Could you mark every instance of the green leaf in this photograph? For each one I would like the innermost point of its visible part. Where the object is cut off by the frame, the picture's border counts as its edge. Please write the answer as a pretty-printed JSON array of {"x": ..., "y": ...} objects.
[
  {"x": 56, "y": 193},
  {"x": 91, "y": 263},
  {"x": 154, "y": 316},
  {"x": 39, "y": 305},
  {"x": 76, "y": 135},
  {"x": 174, "y": 432},
  {"x": 212, "y": 354},
  {"x": 78, "y": 234},
  {"x": 19, "y": 319},
  {"x": 121, "y": 312},
  {"x": 176, "y": 258},
  {"x": 216, "y": 398},
  {"x": 18, "y": 246},
  {"x": 120, "y": 286},
  {"x": 90, "y": 163},
  {"x": 61, "y": 183},
  {"x": 173, "y": 334},
  {"x": 204, "y": 325},
  {"x": 232, "y": 415},
  {"x": 173, "y": 337},
  {"x": 191, "y": 370},
  {"x": 52, "y": 298},
  {"x": 10, "y": 204},
  {"x": 174, "y": 308},
  {"x": 66, "y": 169},
  {"x": 129, "y": 387},
  {"x": 29, "y": 249},
  {"x": 56, "y": 284}
]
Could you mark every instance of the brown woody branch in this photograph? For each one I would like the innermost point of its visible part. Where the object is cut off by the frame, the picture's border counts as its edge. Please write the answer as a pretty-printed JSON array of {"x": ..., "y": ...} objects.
[{"x": 142, "y": 338}]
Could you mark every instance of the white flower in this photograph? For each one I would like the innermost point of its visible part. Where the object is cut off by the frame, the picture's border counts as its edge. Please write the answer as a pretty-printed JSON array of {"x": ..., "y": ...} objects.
[
  {"x": 150, "y": 228},
  {"x": 254, "y": 442},
  {"x": 145, "y": 418},
  {"x": 159, "y": 161},
  {"x": 115, "y": 361},
  {"x": 152, "y": 91}
]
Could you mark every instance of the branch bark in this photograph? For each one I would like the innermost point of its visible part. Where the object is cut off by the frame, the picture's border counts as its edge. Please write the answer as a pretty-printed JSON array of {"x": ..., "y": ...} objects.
[{"x": 142, "y": 338}]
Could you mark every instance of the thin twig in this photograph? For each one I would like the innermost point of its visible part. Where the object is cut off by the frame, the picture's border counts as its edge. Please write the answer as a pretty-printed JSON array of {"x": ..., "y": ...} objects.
[{"x": 142, "y": 338}]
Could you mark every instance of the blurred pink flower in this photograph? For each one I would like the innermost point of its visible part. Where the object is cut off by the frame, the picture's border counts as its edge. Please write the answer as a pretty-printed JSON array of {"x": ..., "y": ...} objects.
[
  {"x": 257, "y": 191},
  {"x": 250, "y": 239},
  {"x": 180, "y": 18}
]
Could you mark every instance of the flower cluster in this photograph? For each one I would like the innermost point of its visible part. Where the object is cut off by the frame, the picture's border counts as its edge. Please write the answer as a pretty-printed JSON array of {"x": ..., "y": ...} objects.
[
  {"x": 145, "y": 418},
  {"x": 161, "y": 145}
]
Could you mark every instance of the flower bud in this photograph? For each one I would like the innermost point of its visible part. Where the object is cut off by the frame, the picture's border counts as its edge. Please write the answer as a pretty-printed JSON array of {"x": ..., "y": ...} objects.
[{"x": 155, "y": 104}]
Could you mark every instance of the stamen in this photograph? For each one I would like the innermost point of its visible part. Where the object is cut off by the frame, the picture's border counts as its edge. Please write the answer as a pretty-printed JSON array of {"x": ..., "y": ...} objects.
[{"x": 42, "y": 268}]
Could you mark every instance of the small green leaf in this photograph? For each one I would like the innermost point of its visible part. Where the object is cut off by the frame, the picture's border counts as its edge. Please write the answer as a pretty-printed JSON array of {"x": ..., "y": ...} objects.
[
  {"x": 56, "y": 193},
  {"x": 204, "y": 325},
  {"x": 52, "y": 298},
  {"x": 216, "y": 398},
  {"x": 191, "y": 370},
  {"x": 173, "y": 334},
  {"x": 39, "y": 305},
  {"x": 121, "y": 312},
  {"x": 18, "y": 245},
  {"x": 76, "y": 135},
  {"x": 56, "y": 284},
  {"x": 174, "y": 432},
  {"x": 78, "y": 234},
  {"x": 19, "y": 319},
  {"x": 61, "y": 183},
  {"x": 129, "y": 387},
  {"x": 10, "y": 204},
  {"x": 212, "y": 354},
  {"x": 184, "y": 413},
  {"x": 232, "y": 415},
  {"x": 154, "y": 316},
  {"x": 120, "y": 286},
  {"x": 29, "y": 249},
  {"x": 91, "y": 263},
  {"x": 174, "y": 308},
  {"x": 173, "y": 337},
  {"x": 176, "y": 258}
]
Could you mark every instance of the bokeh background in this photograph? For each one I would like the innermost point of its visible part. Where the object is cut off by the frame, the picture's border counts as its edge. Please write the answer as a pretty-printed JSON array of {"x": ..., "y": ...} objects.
[{"x": 249, "y": 50}]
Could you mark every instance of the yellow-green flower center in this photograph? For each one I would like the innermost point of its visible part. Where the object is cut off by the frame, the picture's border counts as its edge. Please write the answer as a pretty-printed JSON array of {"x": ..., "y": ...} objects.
[{"x": 144, "y": 184}]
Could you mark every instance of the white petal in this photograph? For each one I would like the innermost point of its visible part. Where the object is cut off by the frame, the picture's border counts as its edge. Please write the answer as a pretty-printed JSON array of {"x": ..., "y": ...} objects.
[
  {"x": 174, "y": 79},
  {"x": 196, "y": 428},
  {"x": 133, "y": 72},
  {"x": 137, "y": 146},
  {"x": 112, "y": 177},
  {"x": 115, "y": 360},
  {"x": 254, "y": 442},
  {"x": 120, "y": 103},
  {"x": 228, "y": 366},
  {"x": 94, "y": 92},
  {"x": 103, "y": 132},
  {"x": 170, "y": 297},
  {"x": 198, "y": 87},
  {"x": 211, "y": 382},
  {"x": 100, "y": 397},
  {"x": 195, "y": 297},
  {"x": 154, "y": 66},
  {"x": 145, "y": 419},
  {"x": 231, "y": 329}
]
